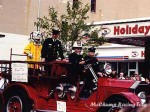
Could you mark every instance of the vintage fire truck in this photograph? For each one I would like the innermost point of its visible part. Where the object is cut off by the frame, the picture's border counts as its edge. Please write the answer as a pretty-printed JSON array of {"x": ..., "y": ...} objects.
[
  {"x": 44, "y": 91},
  {"x": 47, "y": 91}
]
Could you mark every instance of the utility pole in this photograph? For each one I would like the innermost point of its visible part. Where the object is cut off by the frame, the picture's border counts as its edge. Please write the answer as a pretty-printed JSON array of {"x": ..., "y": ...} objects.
[{"x": 38, "y": 15}]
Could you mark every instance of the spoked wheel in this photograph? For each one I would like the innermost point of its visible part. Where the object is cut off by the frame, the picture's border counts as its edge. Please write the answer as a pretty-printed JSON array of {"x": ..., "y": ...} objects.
[
  {"x": 14, "y": 104},
  {"x": 18, "y": 102}
]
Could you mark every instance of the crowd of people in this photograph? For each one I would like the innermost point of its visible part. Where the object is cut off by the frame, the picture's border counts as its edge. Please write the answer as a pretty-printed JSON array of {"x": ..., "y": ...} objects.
[{"x": 134, "y": 76}]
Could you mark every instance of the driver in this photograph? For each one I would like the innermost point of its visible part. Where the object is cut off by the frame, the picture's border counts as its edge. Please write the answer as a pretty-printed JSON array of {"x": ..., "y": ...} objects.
[
  {"x": 91, "y": 59},
  {"x": 89, "y": 85}
]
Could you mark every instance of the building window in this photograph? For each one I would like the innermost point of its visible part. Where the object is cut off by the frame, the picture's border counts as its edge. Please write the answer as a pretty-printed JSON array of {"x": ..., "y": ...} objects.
[
  {"x": 93, "y": 5},
  {"x": 132, "y": 65}
]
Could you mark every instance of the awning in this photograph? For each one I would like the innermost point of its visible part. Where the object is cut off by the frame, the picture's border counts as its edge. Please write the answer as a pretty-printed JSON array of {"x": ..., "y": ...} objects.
[
  {"x": 137, "y": 41},
  {"x": 127, "y": 32}
]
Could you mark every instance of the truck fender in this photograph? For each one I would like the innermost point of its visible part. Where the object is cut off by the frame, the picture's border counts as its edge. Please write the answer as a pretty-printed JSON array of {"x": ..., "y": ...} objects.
[
  {"x": 39, "y": 103},
  {"x": 131, "y": 97}
]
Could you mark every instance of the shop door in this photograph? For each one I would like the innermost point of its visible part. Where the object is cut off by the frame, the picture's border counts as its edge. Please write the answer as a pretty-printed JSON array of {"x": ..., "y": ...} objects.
[{"x": 132, "y": 68}]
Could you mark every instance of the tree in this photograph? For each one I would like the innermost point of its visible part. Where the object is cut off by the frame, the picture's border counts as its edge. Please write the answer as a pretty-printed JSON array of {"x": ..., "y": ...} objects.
[{"x": 72, "y": 24}]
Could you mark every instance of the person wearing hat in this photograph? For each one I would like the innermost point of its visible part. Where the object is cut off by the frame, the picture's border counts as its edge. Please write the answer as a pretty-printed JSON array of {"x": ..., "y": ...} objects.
[
  {"x": 76, "y": 60},
  {"x": 33, "y": 51},
  {"x": 52, "y": 49},
  {"x": 89, "y": 85},
  {"x": 90, "y": 57}
]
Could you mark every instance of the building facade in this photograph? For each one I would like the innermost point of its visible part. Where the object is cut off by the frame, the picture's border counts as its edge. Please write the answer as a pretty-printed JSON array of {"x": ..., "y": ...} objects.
[
  {"x": 127, "y": 59},
  {"x": 18, "y": 16}
]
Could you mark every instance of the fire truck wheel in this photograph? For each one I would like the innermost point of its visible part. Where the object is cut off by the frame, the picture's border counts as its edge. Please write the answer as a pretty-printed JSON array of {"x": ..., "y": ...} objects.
[
  {"x": 114, "y": 105},
  {"x": 17, "y": 102}
]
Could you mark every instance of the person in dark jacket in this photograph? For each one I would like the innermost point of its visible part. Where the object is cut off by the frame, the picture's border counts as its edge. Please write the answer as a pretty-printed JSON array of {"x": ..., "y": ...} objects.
[
  {"x": 76, "y": 60},
  {"x": 91, "y": 59},
  {"x": 52, "y": 49},
  {"x": 90, "y": 85}
]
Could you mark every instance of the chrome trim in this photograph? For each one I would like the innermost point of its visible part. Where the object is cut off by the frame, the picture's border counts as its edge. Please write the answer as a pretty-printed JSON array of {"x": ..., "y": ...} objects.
[{"x": 135, "y": 85}]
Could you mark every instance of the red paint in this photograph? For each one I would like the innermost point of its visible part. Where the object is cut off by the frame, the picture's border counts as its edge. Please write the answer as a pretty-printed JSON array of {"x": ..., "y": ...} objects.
[{"x": 136, "y": 29}]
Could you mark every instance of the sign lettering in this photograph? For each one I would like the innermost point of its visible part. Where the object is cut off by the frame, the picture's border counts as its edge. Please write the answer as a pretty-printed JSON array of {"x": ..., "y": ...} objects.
[
  {"x": 118, "y": 30},
  {"x": 142, "y": 54},
  {"x": 20, "y": 72}
]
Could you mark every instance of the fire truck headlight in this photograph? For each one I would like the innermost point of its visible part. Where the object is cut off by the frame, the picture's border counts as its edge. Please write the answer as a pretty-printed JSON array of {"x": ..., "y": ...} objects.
[
  {"x": 142, "y": 96},
  {"x": 108, "y": 68},
  {"x": 72, "y": 91},
  {"x": 60, "y": 90}
]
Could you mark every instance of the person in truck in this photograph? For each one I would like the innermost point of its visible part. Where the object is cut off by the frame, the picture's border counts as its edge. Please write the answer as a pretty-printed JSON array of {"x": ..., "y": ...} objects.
[
  {"x": 76, "y": 60},
  {"x": 52, "y": 50},
  {"x": 90, "y": 85},
  {"x": 33, "y": 52}
]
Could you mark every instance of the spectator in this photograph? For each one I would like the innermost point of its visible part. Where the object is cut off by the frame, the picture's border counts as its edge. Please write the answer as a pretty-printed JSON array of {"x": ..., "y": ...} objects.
[
  {"x": 142, "y": 78},
  {"x": 33, "y": 51},
  {"x": 138, "y": 77},
  {"x": 127, "y": 78},
  {"x": 114, "y": 74},
  {"x": 132, "y": 77},
  {"x": 52, "y": 49},
  {"x": 147, "y": 80},
  {"x": 121, "y": 75}
]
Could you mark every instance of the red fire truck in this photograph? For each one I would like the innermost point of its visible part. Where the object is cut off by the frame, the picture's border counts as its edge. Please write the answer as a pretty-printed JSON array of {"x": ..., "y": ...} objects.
[{"x": 44, "y": 92}]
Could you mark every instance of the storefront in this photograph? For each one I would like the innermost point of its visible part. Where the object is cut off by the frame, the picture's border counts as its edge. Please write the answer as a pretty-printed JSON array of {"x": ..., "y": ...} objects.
[{"x": 128, "y": 59}]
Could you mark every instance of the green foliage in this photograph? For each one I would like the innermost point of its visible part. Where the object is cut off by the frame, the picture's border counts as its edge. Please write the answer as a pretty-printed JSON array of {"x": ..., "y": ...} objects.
[
  {"x": 95, "y": 40},
  {"x": 72, "y": 24},
  {"x": 48, "y": 23}
]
